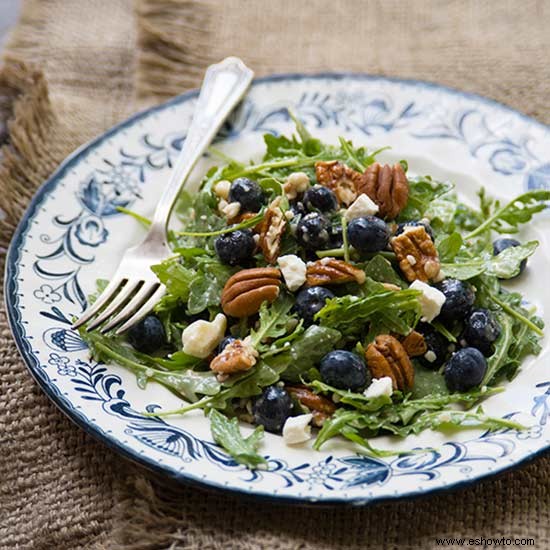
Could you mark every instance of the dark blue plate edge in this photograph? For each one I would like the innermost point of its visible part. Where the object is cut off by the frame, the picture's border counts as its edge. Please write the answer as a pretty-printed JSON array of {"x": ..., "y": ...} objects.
[{"x": 11, "y": 300}]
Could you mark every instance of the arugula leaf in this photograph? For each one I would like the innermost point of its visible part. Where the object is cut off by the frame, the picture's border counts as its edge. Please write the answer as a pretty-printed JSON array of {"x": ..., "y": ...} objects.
[
  {"x": 381, "y": 270},
  {"x": 422, "y": 192},
  {"x": 175, "y": 277},
  {"x": 390, "y": 309},
  {"x": 507, "y": 264},
  {"x": 227, "y": 434},
  {"x": 273, "y": 320},
  {"x": 449, "y": 246},
  {"x": 502, "y": 345},
  {"x": 428, "y": 382},
  {"x": 357, "y": 400},
  {"x": 207, "y": 285},
  {"x": 504, "y": 265},
  {"x": 507, "y": 218},
  {"x": 284, "y": 342},
  {"x": 412, "y": 416},
  {"x": 441, "y": 211},
  {"x": 306, "y": 350}
]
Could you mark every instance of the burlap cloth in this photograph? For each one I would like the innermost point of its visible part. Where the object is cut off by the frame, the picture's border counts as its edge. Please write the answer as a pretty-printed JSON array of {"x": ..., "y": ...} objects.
[{"x": 73, "y": 69}]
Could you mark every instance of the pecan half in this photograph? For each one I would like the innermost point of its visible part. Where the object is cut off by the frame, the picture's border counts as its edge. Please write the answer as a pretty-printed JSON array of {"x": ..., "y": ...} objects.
[
  {"x": 387, "y": 186},
  {"x": 244, "y": 292},
  {"x": 272, "y": 229},
  {"x": 237, "y": 356},
  {"x": 329, "y": 271},
  {"x": 416, "y": 254},
  {"x": 312, "y": 400},
  {"x": 414, "y": 344},
  {"x": 341, "y": 179},
  {"x": 387, "y": 357}
]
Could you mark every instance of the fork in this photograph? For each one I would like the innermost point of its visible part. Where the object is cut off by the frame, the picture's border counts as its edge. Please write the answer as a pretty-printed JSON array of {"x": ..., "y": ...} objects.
[{"x": 134, "y": 289}]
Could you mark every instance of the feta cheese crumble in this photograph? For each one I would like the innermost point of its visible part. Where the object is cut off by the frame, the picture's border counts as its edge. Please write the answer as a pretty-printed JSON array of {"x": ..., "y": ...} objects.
[
  {"x": 362, "y": 206},
  {"x": 201, "y": 337},
  {"x": 378, "y": 387},
  {"x": 297, "y": 429},
  {"x": 293, "y": 270},
  {"x": 431, "y": 300}
]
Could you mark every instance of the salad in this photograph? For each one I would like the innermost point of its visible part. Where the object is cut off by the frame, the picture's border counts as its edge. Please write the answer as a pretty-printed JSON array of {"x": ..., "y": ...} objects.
[{"x": 320, "y": 293}]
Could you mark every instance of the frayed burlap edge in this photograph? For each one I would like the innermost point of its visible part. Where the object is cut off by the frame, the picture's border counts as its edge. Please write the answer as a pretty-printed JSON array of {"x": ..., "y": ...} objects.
[
  {"x": 25, "y": 160},
  {"x": 174, "y": 45}
]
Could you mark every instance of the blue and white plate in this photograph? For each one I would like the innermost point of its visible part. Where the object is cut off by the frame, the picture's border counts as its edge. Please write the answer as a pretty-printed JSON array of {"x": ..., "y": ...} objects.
[{"x": 72, "y": 233}]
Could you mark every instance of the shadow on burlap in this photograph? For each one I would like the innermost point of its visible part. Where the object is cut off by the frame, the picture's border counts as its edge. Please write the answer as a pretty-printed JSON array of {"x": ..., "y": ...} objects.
[{"x": 74, "y": 69}]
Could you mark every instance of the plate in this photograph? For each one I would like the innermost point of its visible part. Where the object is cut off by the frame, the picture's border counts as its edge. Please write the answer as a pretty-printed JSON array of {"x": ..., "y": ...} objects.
[{"x": 73, "y": 233}]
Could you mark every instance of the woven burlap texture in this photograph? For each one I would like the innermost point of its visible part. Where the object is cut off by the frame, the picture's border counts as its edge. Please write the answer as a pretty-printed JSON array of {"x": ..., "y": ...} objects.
[{"x": 75, "y": 68}]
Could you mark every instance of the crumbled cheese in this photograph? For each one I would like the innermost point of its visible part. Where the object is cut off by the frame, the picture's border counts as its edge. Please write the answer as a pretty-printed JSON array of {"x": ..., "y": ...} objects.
[
  {"x": 431, "y": 300},
  {"x": 297, "y": 429},
  {"x": 293, "y": 270},
  {"x": 296, "y": 183},
  {"x": 411, "y": 259},
  {"x": 201, "y": 337},
  {"x": 325, "y": 261},
  {"x": 231, "y": 210},
  {"x": 362, "y": 206},
  {"x": 221, "y": 205},
  {"x": 430, "y": 356},
  {"x": 378, "y": 387},
  {"x": 289, "y": 214},
  {"x": 222, "y": 189},
  {"x": 256, "y": 238}
]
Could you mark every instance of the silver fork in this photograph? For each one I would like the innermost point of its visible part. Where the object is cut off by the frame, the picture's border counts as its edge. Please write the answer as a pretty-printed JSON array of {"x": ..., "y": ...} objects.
[{"x": 134, "y": 289}]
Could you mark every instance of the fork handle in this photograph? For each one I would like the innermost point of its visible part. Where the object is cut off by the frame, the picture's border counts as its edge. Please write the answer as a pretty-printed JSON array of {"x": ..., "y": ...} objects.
[{"x": 223, "y": 86}]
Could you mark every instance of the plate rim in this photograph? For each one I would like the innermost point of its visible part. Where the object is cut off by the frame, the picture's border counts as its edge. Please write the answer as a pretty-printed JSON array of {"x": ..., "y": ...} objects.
[{"x": 13, "y": 315}]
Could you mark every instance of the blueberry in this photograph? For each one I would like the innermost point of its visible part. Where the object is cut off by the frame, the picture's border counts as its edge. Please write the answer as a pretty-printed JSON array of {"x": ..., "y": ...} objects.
[
  {"x": 272, "y": 408},
  {"x": 465, "y": 370},
  {"x": 368, "y": 234},
  {"x": 344, "y": 370},
  {"x": 225, "y": 342},
  {"x": 248, "y": 193},
  {"x": 148, "y": 335},
  {"x": 320, "y": 198},
  {"x": 235, "y": 247},
  {"x": 459, "y": 298},
  {"x": 311, "y": 300},
  {"x": 401, "y": 227},
  {"x": 502, "y": 244},
  {"x": 437, "y": 347},
  {"x": 481, "y": 329},
  {"x": 313, "y": 231}
]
